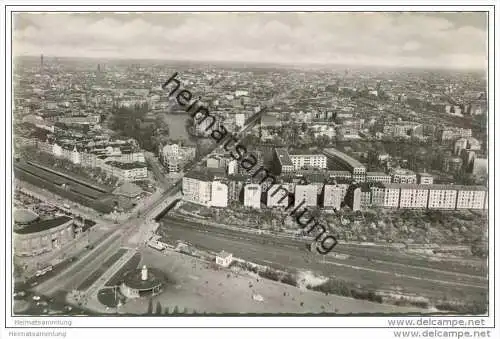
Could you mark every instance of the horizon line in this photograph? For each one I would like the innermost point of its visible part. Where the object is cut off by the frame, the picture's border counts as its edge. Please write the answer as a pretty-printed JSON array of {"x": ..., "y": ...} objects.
[{"x": 273, "y": 63}]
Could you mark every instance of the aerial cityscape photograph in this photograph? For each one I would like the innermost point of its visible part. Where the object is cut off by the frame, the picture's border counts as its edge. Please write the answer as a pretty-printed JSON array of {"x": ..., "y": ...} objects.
[{"x": 250, "y": 163}]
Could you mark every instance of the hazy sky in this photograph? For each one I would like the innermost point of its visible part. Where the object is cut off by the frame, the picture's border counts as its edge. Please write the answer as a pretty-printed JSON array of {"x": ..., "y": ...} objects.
[{"x": 455, "y": 40}]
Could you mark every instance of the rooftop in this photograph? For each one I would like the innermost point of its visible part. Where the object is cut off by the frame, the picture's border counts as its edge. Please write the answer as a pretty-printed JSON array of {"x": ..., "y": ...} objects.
[
  {"x": 200, "y": 175},
  {"x": 24, "y": 216},
  {"x": 43, "y": 225},
  {"x": 126, "y": 165},
  {"x": 305, "y": 152},
  {"x": 283, "y": 157},
  {"x": 343, "y": 157},
  {"x": 437, "y": 187}
]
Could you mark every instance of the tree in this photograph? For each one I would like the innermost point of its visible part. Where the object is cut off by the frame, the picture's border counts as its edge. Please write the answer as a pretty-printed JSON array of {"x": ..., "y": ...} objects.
[
  {"x": 166, "y": 311},
  {"x": 150, "y": 306},
  {"x": 158, "y": 308},
  {"x": 176, "y": 310}
]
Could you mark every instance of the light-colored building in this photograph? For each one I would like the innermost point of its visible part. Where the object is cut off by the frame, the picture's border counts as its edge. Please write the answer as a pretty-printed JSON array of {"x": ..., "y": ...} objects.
[
  {"x": 471, "y": 197},
  {"x": 219, "y": 194},
  {"x": 232, "y": 167},
  {"x": 378, "y": 196},
  {"x": 174, "y": 157},
  {"x": 333, "y": 196},
  {"x": 413, "y": 196},
  {"x": 378, "y": 177},
  {"x": 442, "y": 197},
  {"x": 283, "y": 160},
  {"x": 83, "y": 119},
  {"x": 425, "y": 178},
  {"x": 126, "y": 171},
  {"x": 306, "y": 195},
  {"x": 308, "y": 160},
  {"x": 339, "y": 160},
  {"x": 403, "y": 129},
  {"x": 33, "y": 236},
  {"x": 239, "y": 119},
  {"x": 75, "y": 156},
  {"x": 355, "y": 201},
  {"x": 452, "y": 164},
  {"x": 224, "y": 259},
  {"x": 453, "y": 133},
  {"x": 391, "y": 195},
  {"x": 277, "y": 196},
  {"x": 403, "y": 176},
  {"x": 197, "y": 188},
  {"x": 252, "y": 194},
  {"x": 480, "y": 167}
]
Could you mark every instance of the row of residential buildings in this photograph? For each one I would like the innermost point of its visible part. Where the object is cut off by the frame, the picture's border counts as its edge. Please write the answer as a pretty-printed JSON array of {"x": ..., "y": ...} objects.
[
  {"x": 454, "y": 197},
  {"x": 121, "y": 162},
  {"x": 214, "y": 190}
]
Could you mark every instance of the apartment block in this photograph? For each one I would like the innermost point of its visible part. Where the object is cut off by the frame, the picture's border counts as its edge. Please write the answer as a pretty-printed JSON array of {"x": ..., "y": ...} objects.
[
  {"x": 308, "y": 160},
  {"x": 174, "y": 157},
  {"x": 378, "y": 177},
  {"x": 252, "y": 195},
  {"x": 283, "y": 160},
  {"x": 425, "y": 179},
  {"x": 219, "y": 197},
  {"x": 308, "y": 194},
  {"x": 471, "y": 197},
  {"x": 277, "y": 196},
  {"x": 197, "y": 188},
  {"x": 442, "y": 197},
  {"x": 333, "y": 196},
  {"x": 413, "y": 196},
  {"x": 403, "y": 176}
]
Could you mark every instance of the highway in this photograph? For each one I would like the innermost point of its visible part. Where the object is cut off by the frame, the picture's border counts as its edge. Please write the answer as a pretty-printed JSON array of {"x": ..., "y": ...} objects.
[{"x": 389, "y": 270}]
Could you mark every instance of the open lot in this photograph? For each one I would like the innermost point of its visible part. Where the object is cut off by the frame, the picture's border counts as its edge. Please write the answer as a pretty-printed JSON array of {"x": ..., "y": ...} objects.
[{"x": 199, "y": 288}]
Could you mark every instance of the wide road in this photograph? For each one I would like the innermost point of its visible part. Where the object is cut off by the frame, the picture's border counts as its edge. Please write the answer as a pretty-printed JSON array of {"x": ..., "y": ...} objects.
[
  {"x": 377, "y": 268},
  {"x": 76, "y": 273}
]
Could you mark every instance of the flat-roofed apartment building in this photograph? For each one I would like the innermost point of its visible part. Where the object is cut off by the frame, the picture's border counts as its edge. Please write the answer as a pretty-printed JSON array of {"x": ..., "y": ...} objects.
[
  {"x": 430, "y": 196},
  {"x": 307, "y": 159},
  {"x": 425, "y": 178},
  {"x": 252, "y": 194},
  {"x": 442, "y": 197},
  {"x": 472, "y": 197},
  {"x": 403, "y": 176},
  {"x": 277, "y": 196},
  {"x": 307, "y": 194},
  {"x": 197, "y": 187},
  {"x": 284, "y": 162},
  {"x": 413, "y": 196},
  {"x": 391, "y": 195},
  {"x": 333, "y": 196},
  {"x": 378, "y": 177},
  {"x": 337, "y": 158}
]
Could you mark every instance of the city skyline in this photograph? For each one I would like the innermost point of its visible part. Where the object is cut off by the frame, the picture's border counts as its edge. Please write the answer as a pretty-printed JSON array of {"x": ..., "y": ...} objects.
[{"x": 411, "y": 39}]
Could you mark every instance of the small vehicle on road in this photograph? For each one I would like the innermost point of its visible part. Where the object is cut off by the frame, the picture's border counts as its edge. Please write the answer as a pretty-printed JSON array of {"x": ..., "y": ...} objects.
[{"x": 44, "y": 270}]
